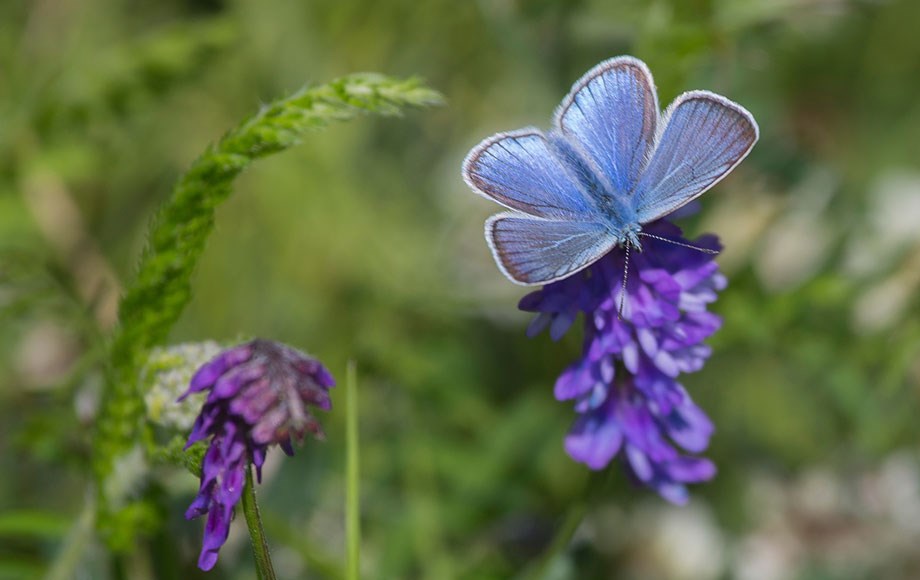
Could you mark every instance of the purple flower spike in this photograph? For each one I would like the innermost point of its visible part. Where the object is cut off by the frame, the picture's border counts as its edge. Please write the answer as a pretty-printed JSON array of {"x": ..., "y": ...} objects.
[
  {"x": 260, "y": 395},
  {"x": 210, "y": 372},
  {"x": 629, "y": 402}
]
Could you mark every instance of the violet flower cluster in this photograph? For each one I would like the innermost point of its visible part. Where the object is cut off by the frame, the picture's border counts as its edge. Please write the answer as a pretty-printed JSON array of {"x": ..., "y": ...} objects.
[
  {"x": 625, "y": 385},
  {"x": 260, "y": 394}
]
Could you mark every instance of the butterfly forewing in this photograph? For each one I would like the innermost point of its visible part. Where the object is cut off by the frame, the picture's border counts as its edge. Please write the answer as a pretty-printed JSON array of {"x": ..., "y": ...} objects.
[
  {"x": 537, "y": 251},
  {"x": 520, "y": 171},
  {"x": 611, "y": 114},
  {"x": 704, "y": 137}
]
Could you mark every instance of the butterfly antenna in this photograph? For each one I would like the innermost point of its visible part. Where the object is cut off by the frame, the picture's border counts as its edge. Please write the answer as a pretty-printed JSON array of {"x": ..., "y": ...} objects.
[
  {"x": 623, "y": 290},
  {"x": 676, "y": 243}
]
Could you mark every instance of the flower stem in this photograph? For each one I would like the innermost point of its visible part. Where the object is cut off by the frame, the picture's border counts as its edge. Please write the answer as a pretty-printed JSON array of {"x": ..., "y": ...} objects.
[
  {"x": 352, "y": 489},
  {"x": 264, "y": 570},
  {"x": 75, "y": 545},
  {"x": 573, "y": 518}
]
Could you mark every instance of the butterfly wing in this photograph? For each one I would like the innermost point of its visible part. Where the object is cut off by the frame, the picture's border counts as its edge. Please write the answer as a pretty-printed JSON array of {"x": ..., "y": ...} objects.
[
  {"x": 556, "y": 228},
  {"x": 533, "y": 251},
  {"x": 521, "y": 171},
  {"x": 704, "y": 137},
  {"x": 611, "y": 115}
]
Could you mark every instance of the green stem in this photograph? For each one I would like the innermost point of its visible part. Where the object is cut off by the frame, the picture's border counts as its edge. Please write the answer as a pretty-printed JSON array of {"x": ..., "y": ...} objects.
[
  {"x": 264, "y": 570},
  {"x": 352, "y": 496},
  {"x": 573, "y": 518},
  {"x": 77, "y": 542},
  {"x": 317, "y": 560}
]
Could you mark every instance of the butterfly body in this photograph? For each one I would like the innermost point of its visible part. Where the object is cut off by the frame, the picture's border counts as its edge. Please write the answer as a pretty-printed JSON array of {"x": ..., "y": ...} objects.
[
  {"x": 608, "y": 202},
  {"x": 610, "y": 164}
]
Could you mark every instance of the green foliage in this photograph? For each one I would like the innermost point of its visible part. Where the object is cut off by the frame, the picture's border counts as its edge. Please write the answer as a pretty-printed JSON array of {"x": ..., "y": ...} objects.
[
  {"x": 32, "y": 524},
  {"x": 162, "y": 288},
  {"x": 364, "y": 244}
]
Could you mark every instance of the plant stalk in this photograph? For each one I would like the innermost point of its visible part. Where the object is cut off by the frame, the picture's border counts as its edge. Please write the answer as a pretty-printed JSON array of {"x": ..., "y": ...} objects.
[
  {"x": 352, "y": 490},
  {"x": 264, "y": 569}
]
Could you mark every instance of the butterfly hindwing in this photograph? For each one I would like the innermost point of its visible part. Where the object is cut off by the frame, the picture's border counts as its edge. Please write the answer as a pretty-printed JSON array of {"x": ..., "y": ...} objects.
[
  {"x": 611, "y": 114},
  {"x": 704, "y": 137},
  {"x": 538, "y": 251},
  {"x": 521, "y": 171}
]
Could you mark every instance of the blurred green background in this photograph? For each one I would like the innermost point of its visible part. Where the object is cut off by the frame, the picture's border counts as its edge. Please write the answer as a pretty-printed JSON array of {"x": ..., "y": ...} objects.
[{"x": 364, "y": 244}]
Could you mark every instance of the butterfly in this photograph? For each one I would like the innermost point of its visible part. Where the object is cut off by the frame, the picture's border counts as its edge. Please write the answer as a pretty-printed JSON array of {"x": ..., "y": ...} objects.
[{"x": 610, "y": 164}]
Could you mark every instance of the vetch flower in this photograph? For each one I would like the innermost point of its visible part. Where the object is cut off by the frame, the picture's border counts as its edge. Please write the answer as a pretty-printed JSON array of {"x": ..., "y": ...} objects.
[
  {"x": 625, "y": 388},
  {"x": 259, "y": 394}
]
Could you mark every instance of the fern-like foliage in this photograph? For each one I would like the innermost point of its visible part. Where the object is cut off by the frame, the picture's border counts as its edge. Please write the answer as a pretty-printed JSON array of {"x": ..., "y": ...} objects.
[{"x": 156, "y": 298}]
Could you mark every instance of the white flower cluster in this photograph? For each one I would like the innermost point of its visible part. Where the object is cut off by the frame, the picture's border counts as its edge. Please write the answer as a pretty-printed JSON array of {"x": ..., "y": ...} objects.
[{"x": 167, "y": 375}]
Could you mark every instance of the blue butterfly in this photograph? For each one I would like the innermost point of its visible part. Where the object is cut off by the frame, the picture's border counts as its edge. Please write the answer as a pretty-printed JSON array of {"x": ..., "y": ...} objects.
[{"x": 610, "y": 163}]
